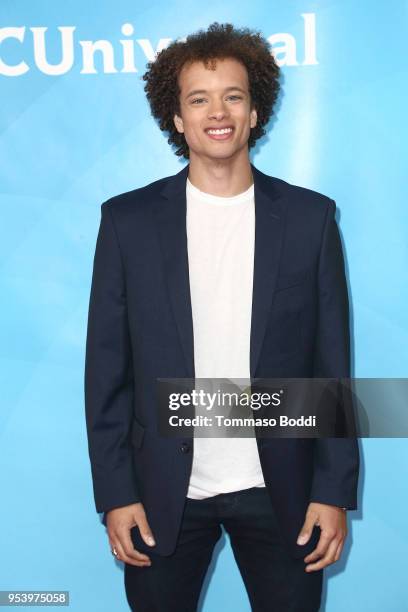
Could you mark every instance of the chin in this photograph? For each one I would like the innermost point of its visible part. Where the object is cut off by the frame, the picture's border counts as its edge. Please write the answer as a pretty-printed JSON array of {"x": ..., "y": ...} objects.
[{"x": 222, "y": 154}]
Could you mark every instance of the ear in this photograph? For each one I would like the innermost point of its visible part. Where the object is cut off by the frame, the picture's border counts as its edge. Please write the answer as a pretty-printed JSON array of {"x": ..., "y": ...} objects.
[
  {"x": 253, "y": 118},
  {"x": 178, "y": 122}
]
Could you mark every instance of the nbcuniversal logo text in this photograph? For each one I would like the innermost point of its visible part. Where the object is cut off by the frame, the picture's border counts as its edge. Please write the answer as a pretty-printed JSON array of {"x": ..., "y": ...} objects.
[{"x": 285, "y": 49}]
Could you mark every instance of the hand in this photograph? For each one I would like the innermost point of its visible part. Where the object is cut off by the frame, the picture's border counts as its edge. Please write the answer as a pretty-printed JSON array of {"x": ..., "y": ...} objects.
[
  {"x": 119, "y": 522},
  {"x": 333, "y": 524}
]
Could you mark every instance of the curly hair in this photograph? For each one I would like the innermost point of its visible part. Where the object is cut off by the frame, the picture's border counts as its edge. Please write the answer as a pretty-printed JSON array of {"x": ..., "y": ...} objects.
[{"x": 219, "y": 41}]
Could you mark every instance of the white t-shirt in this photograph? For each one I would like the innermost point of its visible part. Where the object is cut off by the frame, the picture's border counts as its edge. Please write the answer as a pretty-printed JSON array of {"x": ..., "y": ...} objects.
[{"x": 221, "y": 238}]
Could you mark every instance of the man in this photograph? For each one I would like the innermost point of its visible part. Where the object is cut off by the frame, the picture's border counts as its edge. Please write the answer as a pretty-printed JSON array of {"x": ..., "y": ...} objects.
[{"x": 217, "y": 271}]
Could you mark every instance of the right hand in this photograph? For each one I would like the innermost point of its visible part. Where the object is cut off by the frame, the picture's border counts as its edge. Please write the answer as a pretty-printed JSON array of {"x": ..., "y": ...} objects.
[{"x": 119, "y": 522}]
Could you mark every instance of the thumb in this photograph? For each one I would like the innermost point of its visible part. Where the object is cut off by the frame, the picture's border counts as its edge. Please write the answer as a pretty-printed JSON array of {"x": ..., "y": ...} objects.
[
  {"x": 306, "y": 531},
  {"x": 145, "y": 530}
]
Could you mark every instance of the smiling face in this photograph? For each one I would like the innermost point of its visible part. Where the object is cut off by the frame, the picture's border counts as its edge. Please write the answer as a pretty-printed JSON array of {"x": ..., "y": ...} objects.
[{"x": 215, "y": 106}]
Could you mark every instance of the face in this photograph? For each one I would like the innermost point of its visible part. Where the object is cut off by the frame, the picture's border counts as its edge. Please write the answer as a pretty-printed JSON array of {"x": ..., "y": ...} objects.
[{"x": 211, "y": 100}]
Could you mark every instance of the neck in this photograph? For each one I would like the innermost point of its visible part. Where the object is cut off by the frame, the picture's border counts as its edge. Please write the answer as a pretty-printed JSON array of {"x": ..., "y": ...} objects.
[{"x": 220, "y": 177}]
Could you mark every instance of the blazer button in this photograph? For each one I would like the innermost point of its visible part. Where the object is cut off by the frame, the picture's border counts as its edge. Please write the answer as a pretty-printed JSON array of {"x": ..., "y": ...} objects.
[{"x": 185, "y": 447}]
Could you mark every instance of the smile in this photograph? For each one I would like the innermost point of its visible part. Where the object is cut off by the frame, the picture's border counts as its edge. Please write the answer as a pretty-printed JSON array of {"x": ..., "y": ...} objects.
[{"x": 219, "y": 134}]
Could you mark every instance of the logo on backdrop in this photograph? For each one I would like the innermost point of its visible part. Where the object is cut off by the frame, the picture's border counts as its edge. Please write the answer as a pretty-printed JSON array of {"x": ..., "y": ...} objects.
[{"x": 286, "y": 49}]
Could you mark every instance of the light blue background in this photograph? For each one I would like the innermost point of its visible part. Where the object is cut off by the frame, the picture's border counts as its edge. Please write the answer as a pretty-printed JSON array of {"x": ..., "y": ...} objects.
[{"x": 68, "y": 143}]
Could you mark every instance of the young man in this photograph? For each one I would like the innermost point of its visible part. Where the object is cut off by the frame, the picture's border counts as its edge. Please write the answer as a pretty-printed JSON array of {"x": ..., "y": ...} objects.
[{"x": 217, "y": 271}]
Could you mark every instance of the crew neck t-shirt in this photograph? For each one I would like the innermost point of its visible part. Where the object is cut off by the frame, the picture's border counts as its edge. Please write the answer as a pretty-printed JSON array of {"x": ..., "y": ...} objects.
[{"x": 220, "y": 240}]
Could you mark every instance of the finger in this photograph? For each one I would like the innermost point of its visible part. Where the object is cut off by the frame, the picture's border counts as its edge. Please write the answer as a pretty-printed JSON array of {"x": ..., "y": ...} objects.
[
  {"x": 127, "y": 545},
  {"x": 322, "y": 546},
  {"x": 125, "y": 548},
  {"x": 145, "y": 531},
  {"x": 338, "y": 551},
  {"x": 122, "y": 556},
  {"x": 328, "y": 558},
  {"x": 306, "y": 531}
]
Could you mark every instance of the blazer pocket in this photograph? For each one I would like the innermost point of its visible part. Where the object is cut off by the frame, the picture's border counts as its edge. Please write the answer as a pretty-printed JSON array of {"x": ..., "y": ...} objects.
[
  {"x": 137, "y": 434},
  {"x": 285, "y": 281}
]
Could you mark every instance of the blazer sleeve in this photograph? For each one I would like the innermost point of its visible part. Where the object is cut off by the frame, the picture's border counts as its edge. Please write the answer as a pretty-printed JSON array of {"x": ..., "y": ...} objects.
[
  {"x": 336, "y": 460},
  {"x": 109, "y": 375}
]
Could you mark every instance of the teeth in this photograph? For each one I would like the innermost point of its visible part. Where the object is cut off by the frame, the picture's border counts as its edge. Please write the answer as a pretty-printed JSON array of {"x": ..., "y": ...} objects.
[{"x": 224, "y": 131}]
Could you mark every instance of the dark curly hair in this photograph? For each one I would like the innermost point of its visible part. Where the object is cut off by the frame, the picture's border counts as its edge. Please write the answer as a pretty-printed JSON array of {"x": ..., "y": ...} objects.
[{"x": 219, "y": 41}]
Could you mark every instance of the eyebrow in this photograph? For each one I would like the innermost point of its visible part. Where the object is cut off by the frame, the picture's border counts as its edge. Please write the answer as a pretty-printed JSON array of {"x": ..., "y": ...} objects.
[{"x": 203, "y": 91}]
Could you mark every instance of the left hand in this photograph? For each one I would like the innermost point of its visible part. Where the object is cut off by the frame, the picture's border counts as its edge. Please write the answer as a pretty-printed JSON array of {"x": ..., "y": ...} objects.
[{"x": 332, "y": 521}]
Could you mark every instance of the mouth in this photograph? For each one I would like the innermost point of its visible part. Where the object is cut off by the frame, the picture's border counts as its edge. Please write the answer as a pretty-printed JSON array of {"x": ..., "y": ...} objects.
[{"x": 220, "y": 133}]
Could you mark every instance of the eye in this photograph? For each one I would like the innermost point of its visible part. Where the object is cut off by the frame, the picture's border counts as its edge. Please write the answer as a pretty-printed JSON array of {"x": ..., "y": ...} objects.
[{"x": 198, "y": 100}]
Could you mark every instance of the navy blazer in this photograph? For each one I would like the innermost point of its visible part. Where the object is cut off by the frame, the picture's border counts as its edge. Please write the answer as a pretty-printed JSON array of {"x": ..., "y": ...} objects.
[{"x": 140, "y": 328}]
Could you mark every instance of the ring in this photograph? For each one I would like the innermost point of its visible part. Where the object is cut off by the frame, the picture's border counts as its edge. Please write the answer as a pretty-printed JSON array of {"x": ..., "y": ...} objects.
[{"x": 114, "y": 552}]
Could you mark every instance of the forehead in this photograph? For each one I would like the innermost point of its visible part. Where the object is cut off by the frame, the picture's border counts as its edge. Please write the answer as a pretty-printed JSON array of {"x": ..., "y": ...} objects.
[{"x": 226, "y": 72}]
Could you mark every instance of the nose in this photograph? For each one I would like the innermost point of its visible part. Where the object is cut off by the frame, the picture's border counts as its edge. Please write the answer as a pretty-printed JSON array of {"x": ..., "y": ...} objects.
[{"x": 217, "y": 111}]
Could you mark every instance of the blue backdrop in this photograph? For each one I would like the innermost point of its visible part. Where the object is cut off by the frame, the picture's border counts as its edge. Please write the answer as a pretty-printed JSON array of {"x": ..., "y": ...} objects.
[{"x": 75, "y": 130}]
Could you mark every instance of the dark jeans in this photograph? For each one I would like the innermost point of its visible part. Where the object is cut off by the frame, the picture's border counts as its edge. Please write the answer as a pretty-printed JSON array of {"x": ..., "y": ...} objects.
[{"x": 274, "y": 580}]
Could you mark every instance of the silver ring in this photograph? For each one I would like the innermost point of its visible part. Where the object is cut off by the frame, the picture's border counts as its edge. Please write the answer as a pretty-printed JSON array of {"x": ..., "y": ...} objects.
[{"x": 114, "y": 552}]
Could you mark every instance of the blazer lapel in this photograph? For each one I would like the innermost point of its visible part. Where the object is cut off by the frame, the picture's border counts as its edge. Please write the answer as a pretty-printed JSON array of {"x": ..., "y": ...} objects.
[
  {"x": 170, "y": 214},
  {"x": 269, "y": 226}
]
